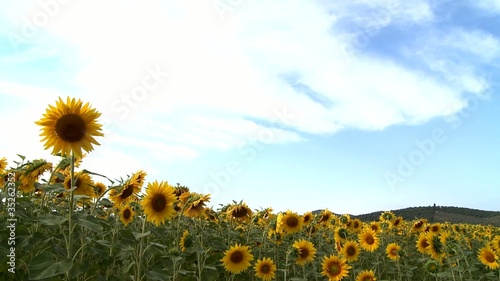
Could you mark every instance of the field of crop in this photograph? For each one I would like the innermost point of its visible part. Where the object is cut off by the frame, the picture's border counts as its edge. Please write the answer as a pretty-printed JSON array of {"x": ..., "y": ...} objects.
[{"x": 59, "y": 222}]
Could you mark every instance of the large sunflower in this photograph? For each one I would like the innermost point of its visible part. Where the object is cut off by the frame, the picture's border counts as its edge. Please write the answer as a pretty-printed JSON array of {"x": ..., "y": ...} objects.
[
  {"x": 126, "y": 215},
  {"x": 157, "y": 204},
  {"x": 488, "y": 257},
  {"x": 237, "y": 258},
  {"x": 335, "y": 268},
  {"x": 306, "y": 251},
  {"x": 366, "y": 275},
  {"x": 265, "y": 269},
  {"x": 436, "y": 247},
  {"x": 69, "y": 127},
  {"x": 392, "y": 251},
  {"x": 83, "y": 183},
  {"x": 290, "y": 222},
  {"x": 351, "y": 251},
  {"x": 368, "y": 240}
]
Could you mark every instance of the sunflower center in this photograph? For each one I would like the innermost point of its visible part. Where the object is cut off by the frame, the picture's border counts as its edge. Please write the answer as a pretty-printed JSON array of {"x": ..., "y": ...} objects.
[
  {"x": 489, "y": 257},
  {"x": 369, "y": 240},
  {"x": 304, "y": 253},
  {"x": 435, "y": 228},
  {"x": 292, "y": 221},
  {"x": 394, "y": 252},
  {"x": 127, "y": 191},
  {"x": 240, "y": 212},
  {"x": 334, "y": 269},
  {"x": 236, "y": 257},
  {"x": 424, "y": 244},
  {"x": 351, "y": 251},
  {"x": 159, "y": 203},
  {"x": 356, "y": 224},
  {"x": 126, "y": 214},
  {"x": 70, "y": 127},
  {"x": 265, "y": 268}
]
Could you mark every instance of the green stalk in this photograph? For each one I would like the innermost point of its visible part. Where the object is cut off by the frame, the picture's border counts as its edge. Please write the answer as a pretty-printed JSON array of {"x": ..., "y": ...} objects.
[
  {"x": 70, "y": 219},
  {"x": 140, "y": 252}
]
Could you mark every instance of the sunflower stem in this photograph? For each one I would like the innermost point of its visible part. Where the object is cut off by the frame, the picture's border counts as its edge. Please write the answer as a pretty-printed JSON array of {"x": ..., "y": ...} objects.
[
  {"x": 70, "y": 218},
  {"x": 139, "y": 277}
]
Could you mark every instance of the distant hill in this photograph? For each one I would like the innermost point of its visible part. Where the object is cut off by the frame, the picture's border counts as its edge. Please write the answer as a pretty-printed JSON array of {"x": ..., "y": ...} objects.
[{"x": 441, "y": 214}]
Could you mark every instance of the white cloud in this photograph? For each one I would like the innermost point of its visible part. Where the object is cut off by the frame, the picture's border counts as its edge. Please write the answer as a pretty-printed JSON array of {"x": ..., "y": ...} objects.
[{"x": 224, "y": 76}]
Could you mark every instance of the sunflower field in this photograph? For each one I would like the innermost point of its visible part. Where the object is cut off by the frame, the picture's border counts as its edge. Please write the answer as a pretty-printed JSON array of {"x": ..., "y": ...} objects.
[{"x": 60, "y": 222}]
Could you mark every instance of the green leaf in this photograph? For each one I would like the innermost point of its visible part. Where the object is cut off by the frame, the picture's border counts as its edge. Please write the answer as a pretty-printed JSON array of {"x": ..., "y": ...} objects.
[
  {"x": 89, "y": 222},
  {"x": 51, "y": 219},
  {"x": 54, "y": 269},
  {"x": 56, "y": 188},
  {"x": 156, "y": 275},
  {"x": 139, "y": 235}
]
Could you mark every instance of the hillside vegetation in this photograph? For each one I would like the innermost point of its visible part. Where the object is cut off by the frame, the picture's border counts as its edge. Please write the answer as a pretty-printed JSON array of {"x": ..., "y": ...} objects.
[{"x": 442, "y": 214}]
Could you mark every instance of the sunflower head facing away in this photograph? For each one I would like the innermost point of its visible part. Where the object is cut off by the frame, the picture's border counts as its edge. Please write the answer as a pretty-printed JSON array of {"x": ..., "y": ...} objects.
[
  {"x": 158, "y": 202},
  {"x": 70, "y": 127},
  {"x": 265, "y": 269},
  {"x": 306, "y": 251},
  {"x": 237, "y": 258}
]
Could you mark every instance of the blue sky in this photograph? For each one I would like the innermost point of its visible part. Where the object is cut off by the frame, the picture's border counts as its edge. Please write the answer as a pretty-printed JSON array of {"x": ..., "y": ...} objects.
[{"x": 354, "y": 106}]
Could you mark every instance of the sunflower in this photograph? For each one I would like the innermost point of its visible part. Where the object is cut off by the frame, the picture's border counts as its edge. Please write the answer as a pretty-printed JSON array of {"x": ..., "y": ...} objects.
[
  {"x": 392, "y": 251},
  {"x": 36, "y": 168},
  {"x": 69, "y": 127},
  {"x": 237, "y": 258},
  {"x": 436, "y": 248},
  {"x": 290, "y": 222},
  {"x": 193, "y": 203},
  {"x": 496, "y": 244},
  {"x": 387, "y": 216},
  {"x": 325, "y": 217},
  {"x": 366, "y": 275},
  {"x": 423, "y": 243},
  {"x": 351, "y": 251},
  {"x": 307, "y": 218},
  {"x": 211, "y": 215},
  {"x": 419, "y": 225},
  {"x": 158, "y": 201},
  {"x": 397, "y": 222},
  {"x": 186, "y": 240},
  {"x": 126, "y": 214},
  {"x": 265, "y": 269},
  {"x": 356, "y": 225},
  {"x": 138, "y": 178},
  {"x": 335, "y": 268},
  {"x": 3, "y": 165},
  {"x": 99, "y": 189},
  {"x": 128, "y": 193},
  {"x": 83, "y": 184},
  {"x": 375, "y": 226},
  {"x": 306, "y": 251},
  {"x": 27, "y": 184},
  {"x": 488, "y": 257},
  {"x": 368, "y": 240},
  {"x": 435, "y": 228},
  {"x": 239, "y": 211}
]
